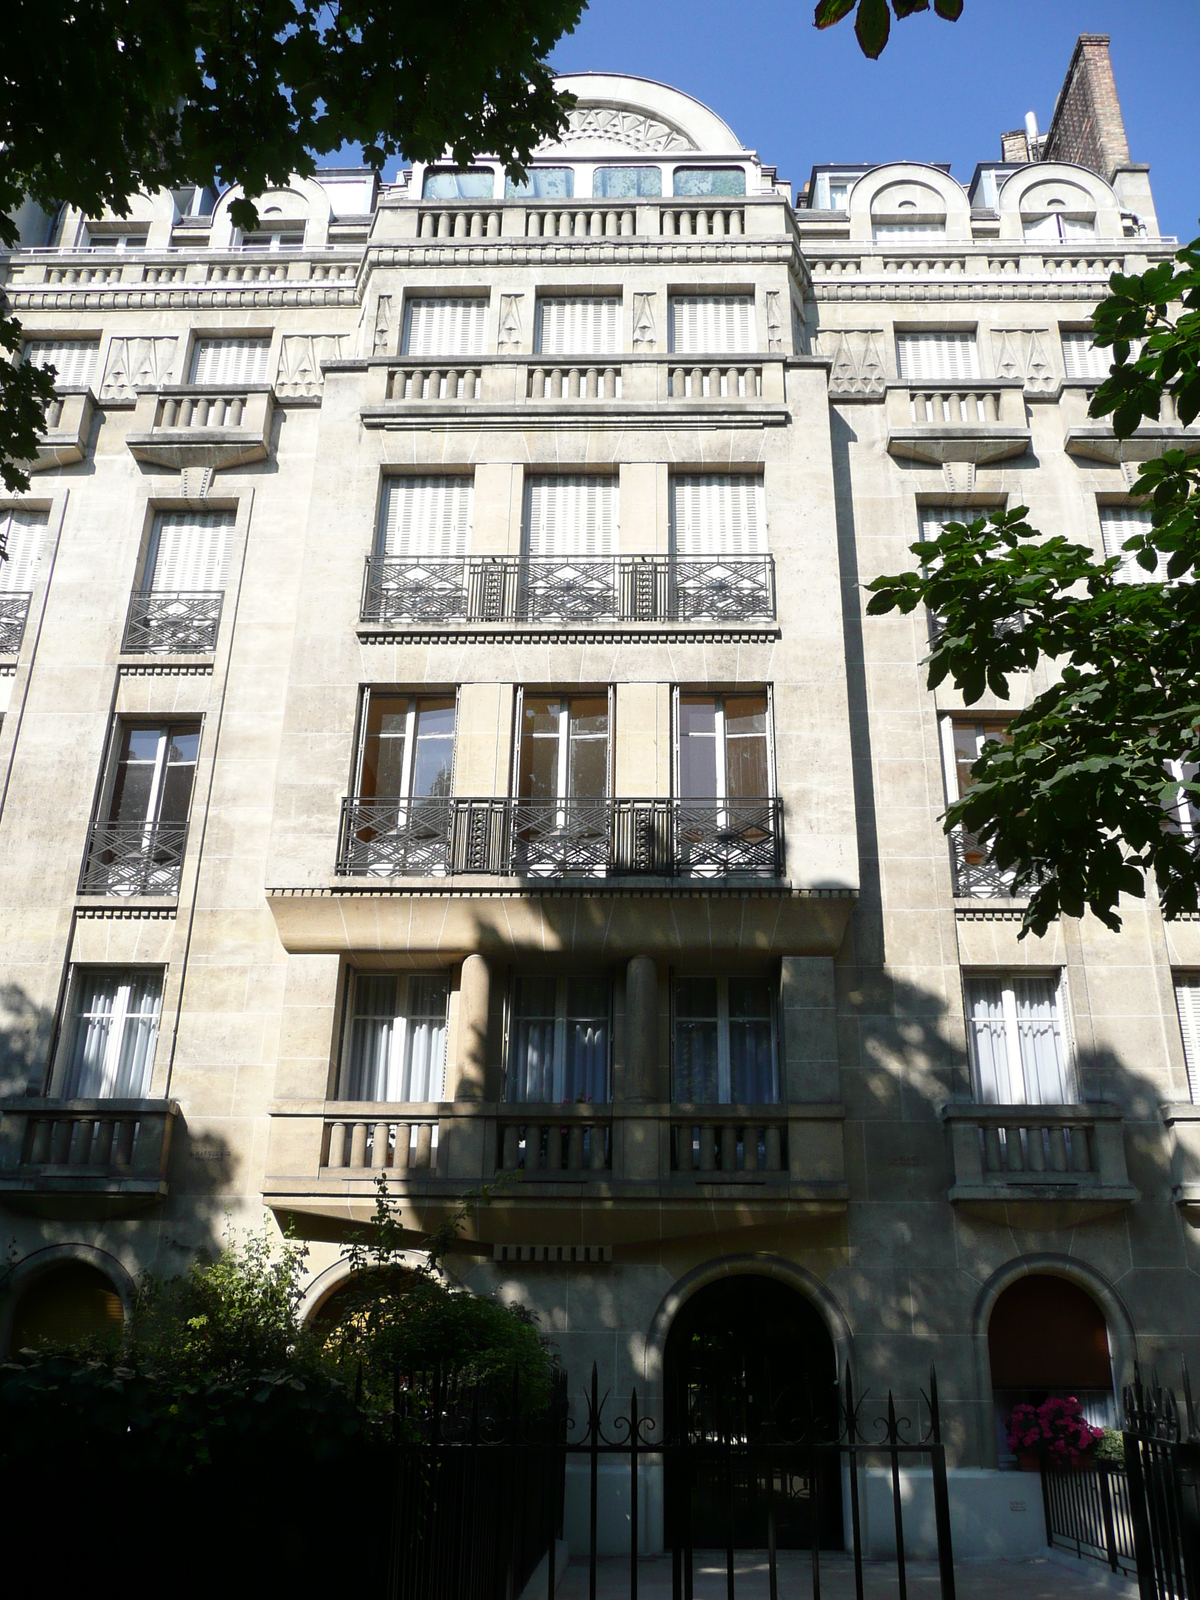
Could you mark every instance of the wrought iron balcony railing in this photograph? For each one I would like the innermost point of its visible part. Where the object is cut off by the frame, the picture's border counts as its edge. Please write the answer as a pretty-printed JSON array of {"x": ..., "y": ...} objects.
[
  {"x": 134, "y": 858},
  {"x": 173, "y": 623},
  {"x": 659, "y": 837},
  {"x": 14, "y": 609},
  {"x": 976, "y": 876},
  {"x": 568, "y": 589}
]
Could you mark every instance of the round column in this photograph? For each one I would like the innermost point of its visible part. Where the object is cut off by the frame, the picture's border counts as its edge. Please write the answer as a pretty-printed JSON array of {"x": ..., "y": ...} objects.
[{"x": 641, "y": 1030}]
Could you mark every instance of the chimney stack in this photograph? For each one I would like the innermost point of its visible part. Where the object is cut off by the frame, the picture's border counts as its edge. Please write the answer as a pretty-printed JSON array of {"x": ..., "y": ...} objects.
[{"x": 1087, "y": 127}]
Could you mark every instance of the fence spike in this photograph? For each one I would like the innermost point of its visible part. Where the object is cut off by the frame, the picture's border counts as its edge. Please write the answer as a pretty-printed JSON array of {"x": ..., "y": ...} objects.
[
  {"x": 935, "y": 1421},
  {"x": 1187, "y": 1401}
]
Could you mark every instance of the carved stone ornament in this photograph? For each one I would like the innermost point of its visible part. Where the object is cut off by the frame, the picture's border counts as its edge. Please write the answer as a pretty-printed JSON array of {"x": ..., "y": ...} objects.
[
  {"x": 136, "y": 364},
  {"x": 628, "y": 130},
  {"x": 383, "y": 326},
  {"x": 959, "y": 476},
  {"x": 774, "y": 323},
  {"x": 857, "y": 372},
  {"x": 510, "y": 323},
  {"x": 195, "y": 482},
  {"x": 645, "y": 336},
  {"x": 300, "y": 358},
  {"x": 1022, "y": 353}
]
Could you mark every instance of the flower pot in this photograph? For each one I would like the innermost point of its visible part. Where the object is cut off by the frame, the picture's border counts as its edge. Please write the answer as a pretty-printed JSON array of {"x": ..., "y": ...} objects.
[{"x": 1028, "y": 1462}]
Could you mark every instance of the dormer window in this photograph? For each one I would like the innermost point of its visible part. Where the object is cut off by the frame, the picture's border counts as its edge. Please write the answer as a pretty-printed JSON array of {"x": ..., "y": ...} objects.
[
  {"x": 716, "y": 181},
  {"x": 543, "y": 183},
  {"x": 1058, "y": 225},
  {"x": 452, "y": 183},
  {"x": 273, "y": 237},
  {"x": 130, "y": 239},
  {"x": 627, "y": 183}
]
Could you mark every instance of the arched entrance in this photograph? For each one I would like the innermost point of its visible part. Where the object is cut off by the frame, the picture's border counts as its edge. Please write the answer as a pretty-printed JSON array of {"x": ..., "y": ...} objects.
[
  {"x": 68, "y": 1304},
  {"x": 750, "y": 1358},
  {"x": 1047, "y": 1336}
]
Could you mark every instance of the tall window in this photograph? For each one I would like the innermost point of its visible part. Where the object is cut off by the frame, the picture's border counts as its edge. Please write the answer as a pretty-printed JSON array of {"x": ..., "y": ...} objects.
[
  {"x": 718, "y": 514},
  {"x": 725, "y": 1047},
  {"x": 578, "y": 325},
  {"x": 627, "y": 183},
  {"x": 449, "y": 183},
  {"x": 137, "y": 842},
  {"x": 1019, "y": 1048},
  {"x": 22, "y": 533},
  {"x": 564, "y": 752},
  {"x": 448, "y": 325},
  {"x": 724, "y": 748},
  {"x": 189, "y": 552},
  {"x": 113, "y": 1027},
  {"x": 407, "y": 746},
  {"x": 231, "y": 361},
  {"x": 570, "y": 515},
  {"x": 73, "y": 360},
  {"x": 1187, "y": 999},
  {"x": 397, "y": 1037},
  {"x": 966, "y": 742},
  {"x": 935, "y": 357},
  {"x": 715, "y": 181},
  {"x": 1057, "y": 228},
  {"x": 542, "y": 183},
  {"x": 1118, "y": 523},
  {"x": 1082, "y": 361},
  {"x": 711, "y": 324},
  {"x": 425, "y": 516},
  {"x": 559, "y": 1039}
]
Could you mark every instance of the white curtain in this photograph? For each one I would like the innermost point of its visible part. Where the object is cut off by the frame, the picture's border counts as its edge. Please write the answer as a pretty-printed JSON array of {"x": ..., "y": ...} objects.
[
  {"x": 718, "y": 514},
  {"x": 711, "y": 324},
  {"x": 1082, "y": 360},
  {"x": 426, "y": 516},
  {"x": 1040, "y": 1038},
  {"x": 1187, "y": 998},
  {"x": 397, "y": 1039},
  {"x": 74, "y": 360},
  {"x": 115, "y": 1026},
  {"x": 423, "y": 1078},
  {"x": 22, "y": 533},
  {"x": 1018, "y": 1041},
  {"x": 572, "y": 515},
  {"x": 898, "y": 230},
  {"x": 231, "y": 361},
  {"x": 937, "y": 357},
  {"x": 578, "y": 325},
  {"x": 189, "y": 551},
  {"x": 989, "y": 1037},
  {"x": 532, "y": 1075},
  {"x": 446, "y": 326}
]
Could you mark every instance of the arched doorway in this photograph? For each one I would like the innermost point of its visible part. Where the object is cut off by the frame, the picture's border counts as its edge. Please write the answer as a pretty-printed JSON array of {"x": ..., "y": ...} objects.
[
  {"x": 1047, "y": 1336},
  {"x": 68, "y": 1304},
  {"x": 750, "y": 1358}
]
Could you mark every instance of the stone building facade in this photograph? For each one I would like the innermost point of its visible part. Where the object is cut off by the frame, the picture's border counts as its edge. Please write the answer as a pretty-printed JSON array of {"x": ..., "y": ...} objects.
[{"x": 444, "y": 739}]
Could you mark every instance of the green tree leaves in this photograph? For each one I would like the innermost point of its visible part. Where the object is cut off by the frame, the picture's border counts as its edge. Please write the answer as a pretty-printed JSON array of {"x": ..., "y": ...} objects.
[{"x": 873, "y": 23}]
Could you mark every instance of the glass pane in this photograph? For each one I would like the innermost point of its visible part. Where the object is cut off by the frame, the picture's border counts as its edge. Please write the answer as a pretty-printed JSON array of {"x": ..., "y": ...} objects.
[
  {"x": 539, "y": 749},
  {"x": 134, "y": 782},
  {"x": 543, "y": 183},
  {"x": 1043, "y": 1059},
  {"x": 697, "y": 749},
  {"x": 587, "y": 776},
  {"x": 371, "y": 1037},
  {"x": 626, "y": 183},
  {"x": 447, "y": 184},
  {"x": 383, "y": 747},
  {"x": 131, "y": 1080},
  {"x": 746, "y": 775},
  {"x": 586, "y": 1076},
  {"x": 433, "y": 758},
  {"x": 532, "y": 1069},
  {"x": 709, "y": 180},
  {"x": 696, "y": 1061},
  {"x": 752, "y": 1076},
  {"x": 985, "y": 1020},
  {"x": 95, "y": 995},
  {"x": 969, "y": 740},
  {"x": 424, "y": 1067}
]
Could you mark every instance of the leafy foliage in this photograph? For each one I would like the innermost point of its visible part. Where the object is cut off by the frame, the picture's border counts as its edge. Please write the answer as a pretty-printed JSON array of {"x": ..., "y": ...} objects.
[
  {"x": 1056, "y": 1432},
  {"x": 1081, "y": 806},
  {"x": 873, "y": 23}
]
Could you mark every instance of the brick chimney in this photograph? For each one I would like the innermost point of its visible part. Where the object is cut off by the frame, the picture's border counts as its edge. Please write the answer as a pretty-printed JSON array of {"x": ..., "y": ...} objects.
[
  {"x": 1014, "y": 146},
  {"x": 1087, "y": 126}
]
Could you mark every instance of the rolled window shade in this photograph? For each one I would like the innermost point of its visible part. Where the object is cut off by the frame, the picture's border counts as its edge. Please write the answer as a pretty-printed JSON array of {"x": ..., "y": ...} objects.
[
  {"x": 446, "y": 326},
  {"x": 937, "y": 357},
  {"x": 578, "y": 325},
  {"x": 1118, "y": 523},
  {"x": 1187, "y": 998},
  {"x": 570, "y": 516},
  {"x": 22, "y": 532},
  {"x": 718, "y": 514},
  {"x": 231, "y": 361},
  {"x": 1082, "y": 360},
  {"x": 73, "y": 360},
  {"x": 426, "y": 517},
  {"x": 711, "y": 324},
  {"x": 190, "y": 551}
]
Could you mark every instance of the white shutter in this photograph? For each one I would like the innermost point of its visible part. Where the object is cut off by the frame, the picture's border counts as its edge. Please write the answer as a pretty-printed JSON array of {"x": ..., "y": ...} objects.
[
  {"x": 1187, "y": 998},
  {"x": 899, "y": 230},
  {"x": 1082, "y": 360},
  {"x": 1118, "y": 523},
  {"x": 449, "y": 326},
  {"x": 74, "y": 360},
  {"x": 231, "y": 361},
  {"x": 718, "y": 514},
  {"x": 190, "y": 551},
  {"x": 570, "y": 516},
  {"x": 426, "y": 517},
  {"x": 936, "y": 357},
  {"x": 711, "y": 324},
  {"x": 22, "y": 532},
  {"x": 578, "y": 325}
]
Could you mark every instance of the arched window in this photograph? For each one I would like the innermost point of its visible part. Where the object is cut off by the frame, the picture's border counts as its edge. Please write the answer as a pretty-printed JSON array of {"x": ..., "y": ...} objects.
[{"x": 68, "y": 1304}]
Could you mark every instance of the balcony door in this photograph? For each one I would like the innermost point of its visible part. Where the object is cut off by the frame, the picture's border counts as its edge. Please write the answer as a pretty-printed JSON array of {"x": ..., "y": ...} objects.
[
  {"x": 397, "y": 1038},
  {"x": 975, "y": 875},
  {"x": 22, "y": 533},
  {"x": 137, "y": 844},
  {"x": 1019, "y": 1047},
  {"x": 114, "y": 1024},
  {"x": 726, "y": 818},
  {"x": 178, "y": 608},
  {"x": 561, "y": 821},
  {"x": 569, "y": 547},
  {"x": 725, "y": 1046},
  {"x": 559, "y": 1039},
  {"x": 419, "y": 571},
  {"x": 399, "y": 818}
]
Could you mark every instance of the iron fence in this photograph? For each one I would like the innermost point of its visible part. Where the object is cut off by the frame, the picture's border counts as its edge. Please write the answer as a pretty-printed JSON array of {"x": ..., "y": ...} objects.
[
  {"x": 166, "y": 622},
  {"x": 1088, "y": 1511},
  {"x": 1162, "y": 1461},
  {"x": 126, "y": 858},
  {"x": 14, "y": 610}
]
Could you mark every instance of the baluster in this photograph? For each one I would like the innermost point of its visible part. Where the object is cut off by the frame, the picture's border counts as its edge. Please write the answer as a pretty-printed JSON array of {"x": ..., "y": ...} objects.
[
  {"x": 628, "y": 222},
  {"x": 533, "y": 225},
  {"x": 708, "y": 1147},
  {"x": 41, "y": 1142},
  {"x": 170, "y": 410},
  {"x": 575, "y": 1148},
  {"x": 697, "y": 384},
  {"x": 596, "y": 225},
  {"x": 81, "y": 1145},
  {"x": 591, "y": 383},
  {"x": 599, "y": 1141},
  {"x": 573, "y": 378},
  {"x": 537, "y": 383},
  {"x": 493, "y": 225},
  {"x": 714, "y": 383},
  {"x": 565, "y": 225},
  {"x": 337, "y": 1145},
  {"x": 443, "y": 225},
  {"x": 477, "y": 225},
  {"x": 1058, "y": 1148},
  {"x": 667, "y": 222},
  {"x": 424, "y": 1160},
  {"x": 403, "y": 1157},
  {"x": 612, "y": 224},
  {"x": 460, "y": 225},
  {"x": 237, "y": 411},
  {"x": 991, "y": 407},
  {"x": 702, "y": 224},
  {"x": 554, "y": 1147},
  {"x": 685, "y": 223},
  {"x": 358, "y": 1144},
  {"x": 379, "y": 1149},
  {"x": 1080, "y": 1154},
  {"x": 733, "y": 383},
  {"x": 427, "y": 226},
  {"x": 992, "y": 1158},
  {"x": 123, "y": 1142},
  {"x": 729, "y": 1143},
  {"x": 1035, "y": 1149},
  {"x": 684, "y": 1154},
  {"x": 1013, "y": 1153},
  {"x": 60, "y": 1141},
  {"x": 511, "y": 1155},
  {"x": 735, "y": 223},
  {"x": 678, "y": 384},
  {"x": 581, "y": 225},
  {"x": 750, "y": 1149},
  {"x": 718, "y": 224},
  {"x": 102, "y": 1142},
  {"x": 774, "y": 1149}
]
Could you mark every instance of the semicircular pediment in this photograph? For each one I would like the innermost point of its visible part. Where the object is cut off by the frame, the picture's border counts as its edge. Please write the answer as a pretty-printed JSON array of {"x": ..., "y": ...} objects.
[{"x": 613, "y": 127}]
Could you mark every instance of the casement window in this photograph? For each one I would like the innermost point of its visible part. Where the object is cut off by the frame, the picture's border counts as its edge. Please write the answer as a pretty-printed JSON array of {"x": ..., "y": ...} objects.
[
  {"x": 406, "y": 747},
  {"x": 936, "y": 357},
  {"x": 570, "y": 515},
  {"x": 425, "y": 517},
  {"x": 231, "y": 361},
  {"x": 189, "y": 552},
  {"x": 724, "y": 747},
  {"x": 396, "y": 1038},
  {"x": 1183, "y": 812},
  {"x": 1187, "y": 999},
  {"x": 73, "y": 360},
  {"x": 448, "y": 325},
  {"x": 152, "y": 774},
  {"x": 1082, "y": 361},
  {"x": 930, "y": 228},
  {"x": 132, "y": 239},
  {"x": 559, "y": 1033},
  {"x": 711, "y": 324},
  {"x": 963, "y": 739},
  {"x": 725, "y": 1046},
  {"x": 1020, "y": 1047},
  {"x": 1118, "y": 523},
  {"x": 718, "y": 514},
  {"x": 1057, "y": 228},
  {"x": 578, "y": 325},
  {"x": 543, "y": 183},
  {"x": 113, "y": 1026},
  {"x": 22, "y": 533},
  {"x": 715, "y": 181},
  {"x": 564, "y": 746},
  {"x": 274, "y": 238},
  {"x": 627, "y": 183},
  {"x": 450, "y": 183},
  {"x": 831, "y": 191}
]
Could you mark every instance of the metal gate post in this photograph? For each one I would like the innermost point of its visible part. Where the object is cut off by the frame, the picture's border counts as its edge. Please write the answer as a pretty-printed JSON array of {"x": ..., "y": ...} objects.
[
  {"x": 1106, "y": 1512},
  {"x": 633, "y": 1497},
  {"x": 941, "y": 1493},
  {"x": 1143, "y": 1550}
]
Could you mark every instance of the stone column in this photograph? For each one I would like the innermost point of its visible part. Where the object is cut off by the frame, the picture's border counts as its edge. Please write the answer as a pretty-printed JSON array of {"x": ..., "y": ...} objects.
[
  {"x": 641, "y": 1029},
  {"x": 474, "y": 1002}
]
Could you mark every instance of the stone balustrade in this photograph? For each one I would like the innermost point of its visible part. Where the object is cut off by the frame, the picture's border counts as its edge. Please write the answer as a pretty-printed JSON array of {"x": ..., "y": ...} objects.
[
  {"x": 1007, "y": 1154},
  {"x": 195, "y": 425},
  {"x": 712, "y": 1141},
  {"x": 84, "y": 1157},
  {"x": 975, "y": 420}
]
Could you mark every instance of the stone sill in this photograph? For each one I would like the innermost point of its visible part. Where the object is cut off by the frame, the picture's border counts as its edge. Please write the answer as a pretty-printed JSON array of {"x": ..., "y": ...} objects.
[
  {"x": 471, "y": 415},
  {"x": 549, "y": 632}
]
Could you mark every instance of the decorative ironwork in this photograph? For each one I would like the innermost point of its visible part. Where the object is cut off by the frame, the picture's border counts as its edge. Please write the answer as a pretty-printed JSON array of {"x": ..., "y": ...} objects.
[
  {"x": 976, "y": 876},
  {"x": 561, "y": 838},
  {"x": 134, "y": 858},
  {"x": 165, "y": 622},
  {"x": 14, "y": 609},
  {"x": 1162, "y": 1461},
  {"x": 1088, "y": 1511},
  {"x": 568, "y": 589}
]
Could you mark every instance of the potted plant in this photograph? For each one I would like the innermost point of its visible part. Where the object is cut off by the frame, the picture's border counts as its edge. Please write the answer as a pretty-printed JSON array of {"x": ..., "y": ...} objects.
[{"x": 1054, "y": 1434}]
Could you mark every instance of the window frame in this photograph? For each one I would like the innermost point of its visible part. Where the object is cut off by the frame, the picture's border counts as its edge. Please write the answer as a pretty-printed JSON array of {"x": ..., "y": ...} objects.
[
  {"x": 68, "y": 1031},
  {"x": 563, "y": 756},
  {"x": 404, "y": 980},
  {"x": 1186, "y": 988},
  {"x": 102, "y": 814},
  {"x": 682, "y": 691},
  {"x": 724, "y": 1053},
  {"x": 201, "y": 340},
  {"x": 561, "y": 1019},
  {"x": 1014, "y": 1066},
  {"x": 414, "y": 698}
]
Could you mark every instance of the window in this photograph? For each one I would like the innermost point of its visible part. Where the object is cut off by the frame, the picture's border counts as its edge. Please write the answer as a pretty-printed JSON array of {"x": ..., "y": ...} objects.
[
  {"x": 1082, "y": 361},
  {"x": 578, "y": 325},
  {"x": 1019, "y": 1049},
  {"x": 114, "y": 1025},
  {"x": 627, "y": 183},
  {"x": 543, "y": 183},
  {"x": 1118, "y": 523},
  {"x": 724, "y": 747},
  {"x": 934, "y": 357},
  {"x": 397, "y": 1037},
  {"x": 564, "y": 749},
  {"x": 933, "y": 227},
  {"x": 189, "y": 552},
  {"x": 1057, "y": 228},
  {"x": 1187, "y": 999},
  {"x": 231, "y": 361},
  {"x": 445, "y": 183},
  {"x": 573, "y": 515},
  {"x": 718, "y": 514},
  {"x": 967, "y": 742},
  {"x": 447, "y": 326},
  {"x": 559, "y": 1040},
  {"x": 134, "y": 239},
  {"x": 22, "y": 533},
  {"x": 711, "y": 324},
  {"x": 406, "y": 749},
  {"x": 137, "y": 843},
  {"x": 425, "y": 517},
  {"x": 725, "y": 1049},
  {"x": 73, "y": 360},
  {"x": 274, "y": 238},
  {"x": 716, "y": 181},
  {"x": 839, "y": 196},
  {"x": 975, "y": 877}
]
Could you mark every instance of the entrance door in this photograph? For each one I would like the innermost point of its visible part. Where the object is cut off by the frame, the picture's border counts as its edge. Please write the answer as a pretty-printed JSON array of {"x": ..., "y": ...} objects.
[{"x": 750, "y": 1359}]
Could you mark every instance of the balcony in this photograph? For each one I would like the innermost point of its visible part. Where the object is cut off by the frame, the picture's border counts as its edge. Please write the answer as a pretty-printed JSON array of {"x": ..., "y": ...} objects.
[
  {"x": 134, "y": 858},
  {"x": 548, "y": 839},
  {"x": 199, "y": 426},
  {"x": 68, "y": 425},
  {"x": 592, "y": 221},
  {"x": 1090, "y": 440},
  {"x": 84, "y": 1158},
  {"x": 14, "y": 611},
  {"x": 974, "y": 420},
  {"x": 976, "y": 876},
  {"x": 167, "y": 623},
  {"x": 1038, "y": 1166},
  {"x": 579, "y": 591}
]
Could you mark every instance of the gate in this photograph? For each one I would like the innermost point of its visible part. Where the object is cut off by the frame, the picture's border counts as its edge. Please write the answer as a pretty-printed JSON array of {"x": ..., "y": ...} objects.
[{"x": 1162, "y": 1460}]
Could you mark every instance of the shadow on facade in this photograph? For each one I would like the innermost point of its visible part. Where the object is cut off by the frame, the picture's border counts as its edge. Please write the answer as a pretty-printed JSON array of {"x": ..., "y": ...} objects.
[{"x": 26, "y": 1029}]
